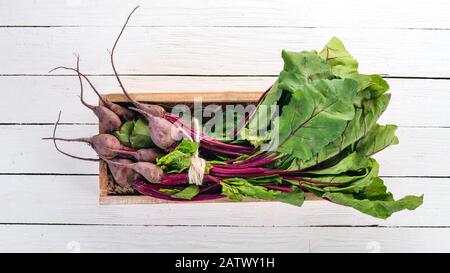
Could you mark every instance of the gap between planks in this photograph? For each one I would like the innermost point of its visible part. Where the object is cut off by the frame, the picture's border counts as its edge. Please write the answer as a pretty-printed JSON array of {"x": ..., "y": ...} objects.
[
  {"x": 385, "y": 76},
  {"x": 228, "y": 26},
  {"x": 93, "y": 123},
  {"x": 228, "y": 226}
]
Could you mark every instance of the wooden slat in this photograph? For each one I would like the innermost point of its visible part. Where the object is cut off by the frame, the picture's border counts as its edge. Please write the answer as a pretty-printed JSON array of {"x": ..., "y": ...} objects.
[
  {"x": 307, "y": 13},
  {"x": 205, "y": 50},
  {"x": 74, "y": 200},
  {"x": 414, "y": 102},
  {"x": 422, "y": 151},
  {"x": 230, "y": 97},
  {"x": 220, "y": 239}
]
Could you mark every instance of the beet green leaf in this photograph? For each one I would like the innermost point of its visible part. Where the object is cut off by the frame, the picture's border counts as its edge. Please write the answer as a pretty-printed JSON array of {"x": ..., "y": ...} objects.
[
  {"x": 378, "y": 138},
  {"x": 238, "y": 188},
  {"x": 315, "y": 116},
  {"x": 375, "y": 200}
]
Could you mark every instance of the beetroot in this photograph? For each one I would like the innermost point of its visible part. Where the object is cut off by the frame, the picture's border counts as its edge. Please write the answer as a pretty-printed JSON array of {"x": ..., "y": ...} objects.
[
  {"x": 103, "y": 144},
  {"x": 61, "y": 151},
  {"x": 108, "y": 120},
  {"x": 163, "y": 133},
  {"x": 123, "y": 176},
  {"x": 119, "y": 110},
  {"x": 145, "y": 155},
  {"x": 149, "y": 171}
]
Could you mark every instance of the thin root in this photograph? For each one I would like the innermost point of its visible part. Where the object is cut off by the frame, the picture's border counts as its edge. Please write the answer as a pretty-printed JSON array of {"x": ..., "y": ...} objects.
[
  {"x": 85, "y": 77},
  {"x": 54, "y": 138},
  {"x": 111, "y": 53}
]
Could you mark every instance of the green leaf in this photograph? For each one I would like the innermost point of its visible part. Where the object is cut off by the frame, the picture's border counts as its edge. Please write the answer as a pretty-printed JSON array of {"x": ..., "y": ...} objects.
[
  {"x": 187, "y": 193},
  {"x": 272, "y": 179},
  {"x": 140, "y": 136},
  {"x": 375, "y": 200},
  {"x": 351, "y": 163},
  {"x": 376, "y": 208},
  {"x": 230, "y": 188},
  {"x": 365, "y": 118},
  {"x": 169, "y": 191},
  {"x": 296, "y": 197},
  {"x": 237, "y": 188},
  {"x": 344, "y": 176},
  {"x": 376, "y": 190},
  {"x": 302, "y": 68},
  {"x": 358, "y": 183},
  {"x": 179, "y": 159},
  {"x": 123, "y": 135},
  {"x": 299, "y": 68},
  {"x": 378, "y": 138},
  {"x": 376, "y": 87},
  {"x": 187, "y": 147},
  {"x": 316, "y": 115},
  {"x": 343, "y": 64},
  {"x": 224, "y": 122},
  {"x": 262, "y": 117}
]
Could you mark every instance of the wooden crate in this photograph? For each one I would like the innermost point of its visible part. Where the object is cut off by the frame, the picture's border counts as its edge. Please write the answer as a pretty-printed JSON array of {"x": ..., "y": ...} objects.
[{"x": 171, "y": 99}]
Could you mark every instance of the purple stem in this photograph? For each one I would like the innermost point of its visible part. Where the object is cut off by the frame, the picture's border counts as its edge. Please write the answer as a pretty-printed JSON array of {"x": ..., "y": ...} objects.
[
  {"x": 205, "y": 138},
  {"x": 220, "y": 150},
  {"x": 128, "y": 149},
  {"x": 310, "y": 181},
  {"x": 153, "y": 191},
  {"x": 279, "y": 188},
  {"x": 256, "y": 163},
  {"x": 183, "y": 179},
  {"x": 248, "y": 172},
  {"x": 247, "y": 118}
]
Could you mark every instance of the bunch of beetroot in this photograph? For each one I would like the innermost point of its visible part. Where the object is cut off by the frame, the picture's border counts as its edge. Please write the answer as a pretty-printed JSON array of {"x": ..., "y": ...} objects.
[
  {"x": 320, "y": 141},
  {"x": 130, "y": 164}
]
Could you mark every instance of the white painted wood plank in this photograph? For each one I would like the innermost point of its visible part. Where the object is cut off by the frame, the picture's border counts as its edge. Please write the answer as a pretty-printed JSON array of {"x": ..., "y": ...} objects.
[
  {"x": 414, "y": 102},
  {"x": 64, "y": 91},
  {"x": 418, "y": 103},
  {"x": 306, "y": 13},
  {"x": 74, "y": 200},
  {"x": 220, "y": 239},
  {"x": 207, "y": 50},
  {"x": 422, "y": 151}
]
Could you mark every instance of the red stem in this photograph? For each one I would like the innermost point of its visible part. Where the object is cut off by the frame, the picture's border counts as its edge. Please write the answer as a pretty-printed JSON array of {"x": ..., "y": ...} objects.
[
  {"x": 279, "y": 188},
  {"x": 183, "y": 179},
  {"x": 205, "y": 138},
  {"x": 153, "y": 191},
  {"x": 310, "y": 181},
  {"x": 248, "y": 172},
  {"x": 219, "y": 150},
  {"x": 247, "y": 118},
  {"x": 255, "y": 163}
]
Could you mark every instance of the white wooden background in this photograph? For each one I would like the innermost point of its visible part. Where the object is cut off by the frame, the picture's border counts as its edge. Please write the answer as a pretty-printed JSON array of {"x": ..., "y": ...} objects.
[{"x": 50, "y": 203}]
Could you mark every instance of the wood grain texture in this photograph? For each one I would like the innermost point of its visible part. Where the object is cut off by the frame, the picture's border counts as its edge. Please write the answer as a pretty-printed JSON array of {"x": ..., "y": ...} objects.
[
  {"x": 220, "y": 239},
  {"x": 414, "y": 103},
  {"x": 273, "y": 13},
  {"x": 230, "y": 97},
  {"x": 421, "y": 152},
  {"x": 209, "y": 51},
  {"x": 41, "y": 199}
]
